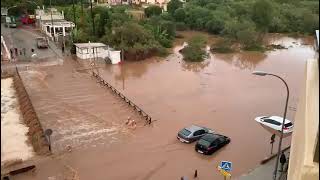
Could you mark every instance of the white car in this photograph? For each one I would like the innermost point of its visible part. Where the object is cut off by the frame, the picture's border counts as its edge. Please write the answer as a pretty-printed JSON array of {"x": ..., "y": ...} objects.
[{"x": 275, "y": 122}]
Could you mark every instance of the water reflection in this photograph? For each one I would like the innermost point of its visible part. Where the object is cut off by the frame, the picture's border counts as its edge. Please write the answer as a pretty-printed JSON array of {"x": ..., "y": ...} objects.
[
  {"x": 288, "y": 42},
  {"x": 243, "y": 60},
  {"x": 195, "y": 66}
]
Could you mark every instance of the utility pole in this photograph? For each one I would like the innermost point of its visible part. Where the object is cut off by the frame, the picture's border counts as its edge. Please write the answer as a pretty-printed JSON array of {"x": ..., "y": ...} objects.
[
  {"x": 93, "y": 28},
  {"x": 74, "y": 13},
  {"x": 51, "y": 20}
]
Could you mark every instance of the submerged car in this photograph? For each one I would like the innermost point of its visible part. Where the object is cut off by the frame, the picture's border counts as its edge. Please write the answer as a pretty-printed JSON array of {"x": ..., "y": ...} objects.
[
  {"x": 210, "y": 143},
  {"x": 192, "y": 133},
  {"x": 275, "y": 122}
]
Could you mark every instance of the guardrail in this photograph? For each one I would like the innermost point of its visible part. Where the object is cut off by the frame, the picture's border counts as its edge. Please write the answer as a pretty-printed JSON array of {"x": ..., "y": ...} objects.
[{"x": 127, "y": 100}]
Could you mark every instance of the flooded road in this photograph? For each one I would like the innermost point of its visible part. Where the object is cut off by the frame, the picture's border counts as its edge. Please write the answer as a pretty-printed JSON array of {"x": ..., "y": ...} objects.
[{"x": 219, "y": 93}]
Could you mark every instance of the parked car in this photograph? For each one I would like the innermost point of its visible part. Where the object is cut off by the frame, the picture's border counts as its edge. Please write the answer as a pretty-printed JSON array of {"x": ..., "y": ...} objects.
[
  {"x": 192, "y": 133},
  {"x": 10, "y": 22},
  {"x": 275, "y": 122},
  {"x": 42, "y": 42},
  {"x": 210, "y": 143}
]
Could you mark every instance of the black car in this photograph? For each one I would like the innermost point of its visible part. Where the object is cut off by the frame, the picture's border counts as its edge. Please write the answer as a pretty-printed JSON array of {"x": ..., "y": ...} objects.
[{"x": 210, "y": 143}]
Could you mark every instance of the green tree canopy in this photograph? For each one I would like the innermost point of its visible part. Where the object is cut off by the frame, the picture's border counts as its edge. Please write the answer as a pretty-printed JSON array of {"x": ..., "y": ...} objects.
[
  {"x": 179, "y": 15},
  {"x": 152, "y": 11},
  {"x": 262, "y": 14},
  {"x": 173, "y": 5}
]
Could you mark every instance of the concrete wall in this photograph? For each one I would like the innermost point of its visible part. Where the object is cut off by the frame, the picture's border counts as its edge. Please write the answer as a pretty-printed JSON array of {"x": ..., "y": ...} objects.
[{"x": 304, "y": 137}]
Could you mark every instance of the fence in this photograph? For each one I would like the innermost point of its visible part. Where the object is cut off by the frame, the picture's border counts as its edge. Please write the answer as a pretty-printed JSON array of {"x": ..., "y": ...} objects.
[{"x": 127, "y": 100}]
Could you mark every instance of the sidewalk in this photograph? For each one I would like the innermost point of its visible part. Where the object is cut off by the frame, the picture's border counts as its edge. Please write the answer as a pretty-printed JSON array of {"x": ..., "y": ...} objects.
[{"x": 265, "y": 171}]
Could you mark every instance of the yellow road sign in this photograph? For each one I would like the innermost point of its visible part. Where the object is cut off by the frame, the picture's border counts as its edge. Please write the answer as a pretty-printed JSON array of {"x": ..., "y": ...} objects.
[{"x": 223, "y": 172}]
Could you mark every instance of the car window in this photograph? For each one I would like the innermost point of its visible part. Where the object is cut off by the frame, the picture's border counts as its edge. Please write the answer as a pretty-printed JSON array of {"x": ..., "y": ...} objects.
[
  {"x": 272, "y": 122},
  {"x": 216, "y": 142},
  {"x": 221, "y": 139},
  {"x": 197, "y": 133},
  {"x": 204, "y": 143},
  {"x": 288, "y": 124},
  {"x": 202, "y": 131},
  {"x": 185, "y": 132}
]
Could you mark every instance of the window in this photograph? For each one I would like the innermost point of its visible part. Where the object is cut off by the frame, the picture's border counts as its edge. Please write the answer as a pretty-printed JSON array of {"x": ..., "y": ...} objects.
[
  {"x": 197, "y": 133},
  {"x": 221, "y": 139},
  {"x": 202, "y": 131},
  {"x": 288, "y": 124},
  {"x": 272, "y": 122},
  {"x": 185, "y": 132},
  {"x": 204, "y": 143},
  {"x": 215, "y": 143}
]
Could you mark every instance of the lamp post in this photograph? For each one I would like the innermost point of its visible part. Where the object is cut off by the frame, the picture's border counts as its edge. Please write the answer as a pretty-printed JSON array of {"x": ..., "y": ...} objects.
[
  {"x": 10, "y": 8},
  {"x": 51, "y": 22},
  {"x": 261, "y": 73},
  {"x": 33, "y": 3}
]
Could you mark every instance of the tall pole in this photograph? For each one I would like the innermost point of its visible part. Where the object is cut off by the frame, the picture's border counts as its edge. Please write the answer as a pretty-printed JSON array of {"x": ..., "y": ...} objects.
[
  {"x": 283, "y": 121},
  {"x": 74, "y": 13},
  {"x": 51, "y": 19},
  {"x": 261, "y": 73},
  {"x": 93, "y": 28}
]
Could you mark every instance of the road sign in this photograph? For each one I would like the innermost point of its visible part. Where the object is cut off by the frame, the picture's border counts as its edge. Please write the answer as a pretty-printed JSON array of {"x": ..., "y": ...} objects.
[
  {"x": 223, "y": 172},
  {"x": 226, "y": 165}
]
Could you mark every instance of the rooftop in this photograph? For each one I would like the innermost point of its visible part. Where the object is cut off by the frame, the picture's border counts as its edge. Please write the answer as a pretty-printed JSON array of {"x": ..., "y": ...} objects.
[{"x": 86, "y": 45}]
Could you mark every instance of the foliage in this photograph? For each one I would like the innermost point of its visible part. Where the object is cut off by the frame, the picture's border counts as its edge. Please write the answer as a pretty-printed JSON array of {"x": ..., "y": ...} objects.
[
  {"x": 262, "y": 14},
  {"x": 244, "y": 32},
  {"x": 152, "y": 11},
  {"x": 195, "y": 50},
  {"x": 222, "y": 46},
  {"x": 173, "y": 5},
  {"x": 179, "y": 15},
  {"x": 133, "y": 39},
  {"x": 181, "y": 26},
  {"x": 80, "y": 36}
]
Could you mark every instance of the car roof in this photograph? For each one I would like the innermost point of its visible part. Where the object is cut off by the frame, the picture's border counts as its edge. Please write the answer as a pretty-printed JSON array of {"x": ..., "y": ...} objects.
[
  {"x": 279, "y": 119},
  {"x": 210, "y": 137},
  {"x": 194, "y": 128}
]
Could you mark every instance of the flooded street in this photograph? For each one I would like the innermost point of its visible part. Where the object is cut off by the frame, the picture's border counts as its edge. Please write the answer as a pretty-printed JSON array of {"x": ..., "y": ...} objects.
[{"x": 219, "y": 93}]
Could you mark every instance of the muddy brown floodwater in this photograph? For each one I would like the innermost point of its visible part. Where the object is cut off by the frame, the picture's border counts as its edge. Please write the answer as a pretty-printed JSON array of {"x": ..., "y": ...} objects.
[{"x": 219, "y": 93}]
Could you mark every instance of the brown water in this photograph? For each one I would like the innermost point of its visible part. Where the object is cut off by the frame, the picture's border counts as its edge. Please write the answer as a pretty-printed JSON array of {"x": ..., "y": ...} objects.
[{"x": 219, "y": 93}]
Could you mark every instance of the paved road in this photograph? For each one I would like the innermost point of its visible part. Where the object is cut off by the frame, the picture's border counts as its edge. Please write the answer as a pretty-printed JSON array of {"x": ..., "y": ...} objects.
[
  {"x": 265, "y": 172},
  {"x": 24, "y": 37}
]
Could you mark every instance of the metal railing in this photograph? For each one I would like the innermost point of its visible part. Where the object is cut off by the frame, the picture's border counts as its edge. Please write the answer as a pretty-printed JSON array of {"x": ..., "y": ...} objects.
[{"x": 127, "y": 100}]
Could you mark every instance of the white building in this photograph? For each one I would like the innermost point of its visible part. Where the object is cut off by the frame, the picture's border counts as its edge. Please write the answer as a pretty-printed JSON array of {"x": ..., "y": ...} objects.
[
  {"x": 52, "y": 23},
  {"x": 97, "y": 50}
]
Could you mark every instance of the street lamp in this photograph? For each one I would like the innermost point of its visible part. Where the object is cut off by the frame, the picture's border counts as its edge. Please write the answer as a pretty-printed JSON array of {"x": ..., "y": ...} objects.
[
  {"x": 10, "y": 8},
  {"x": 261, "y": 73},
  {"x": 33, "y": 3}
]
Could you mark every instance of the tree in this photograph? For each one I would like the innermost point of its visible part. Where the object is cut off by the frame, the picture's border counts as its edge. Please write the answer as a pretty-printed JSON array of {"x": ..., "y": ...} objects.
[
  {"x": 179, "y": 15},
  {"x": 131, "y": 37},
  {"x": 152, "y": 11},
  {"x": 262, "y": 14},
  {"x": 195, "y": 50},
  {"x": 216, "y": 24},
  {"x": 173, "y": 5}
]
